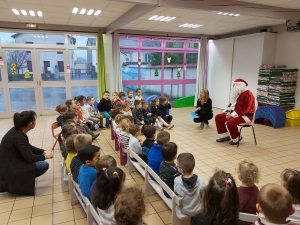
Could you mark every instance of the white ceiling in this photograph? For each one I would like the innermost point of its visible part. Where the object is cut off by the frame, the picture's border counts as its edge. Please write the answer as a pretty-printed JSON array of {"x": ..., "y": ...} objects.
[
  {"x": 290, "y": 4},
  {"x": 60, "y": 12}
]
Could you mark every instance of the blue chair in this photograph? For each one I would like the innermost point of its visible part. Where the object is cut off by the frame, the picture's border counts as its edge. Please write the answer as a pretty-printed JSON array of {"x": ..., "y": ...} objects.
[{"x": 96, "y": 106}]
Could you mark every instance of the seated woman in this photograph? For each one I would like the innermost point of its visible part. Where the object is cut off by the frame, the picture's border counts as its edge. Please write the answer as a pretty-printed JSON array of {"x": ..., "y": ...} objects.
[
  {"x": 20, "y": 162},
  {"x": 204, "y": 109}
]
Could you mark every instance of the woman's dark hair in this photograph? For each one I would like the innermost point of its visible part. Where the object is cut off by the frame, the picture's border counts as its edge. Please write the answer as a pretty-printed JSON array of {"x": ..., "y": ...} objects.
[
  {"x": 109, "y": 183},
  {"x": 220, "y": 201},
  {"x": 22, "y": 119}
]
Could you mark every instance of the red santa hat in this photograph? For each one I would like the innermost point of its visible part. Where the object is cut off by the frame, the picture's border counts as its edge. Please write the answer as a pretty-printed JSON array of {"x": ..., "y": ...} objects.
[{"x": 240, "y": 81}]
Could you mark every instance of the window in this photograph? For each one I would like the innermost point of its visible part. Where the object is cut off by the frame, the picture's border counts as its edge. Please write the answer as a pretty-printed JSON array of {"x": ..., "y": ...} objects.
[
  {"x": 174, "y": 44},
  {"x": 83, "y": 64},
  {"x": 31, "y": 38},
  {"x": 82, "y": 40},
  {"x": 193, "y": 45},
  {"x": 152, "y": 44},
  {"x": 128, "y": 42},
  {"x": 129, "y": 65},
  {"x": 159, "y": 67}
]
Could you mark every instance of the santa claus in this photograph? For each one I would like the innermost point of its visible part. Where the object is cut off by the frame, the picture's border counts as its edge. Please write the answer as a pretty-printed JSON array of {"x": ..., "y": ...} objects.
[{"x": 240, "y": 110}]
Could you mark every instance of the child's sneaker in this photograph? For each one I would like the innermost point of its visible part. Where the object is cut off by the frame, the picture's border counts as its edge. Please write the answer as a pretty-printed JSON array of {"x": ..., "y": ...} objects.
[{"x": 102, "y": 127}]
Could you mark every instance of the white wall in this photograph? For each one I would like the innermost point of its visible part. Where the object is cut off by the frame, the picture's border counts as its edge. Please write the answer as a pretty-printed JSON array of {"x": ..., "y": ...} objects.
[
  {"x": 237, "y": 57},
  {"x": 219, "y": 71},
  {"x": 288, "y": 53},
  {"x": 107, "y": 40},
  {"x": 247, "y": 57}
]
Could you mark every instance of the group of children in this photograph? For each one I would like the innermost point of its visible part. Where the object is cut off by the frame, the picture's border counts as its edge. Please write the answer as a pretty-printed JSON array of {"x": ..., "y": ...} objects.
[
  {"x": 101, "y": 181},
  {"x": 157, "y": 114}
]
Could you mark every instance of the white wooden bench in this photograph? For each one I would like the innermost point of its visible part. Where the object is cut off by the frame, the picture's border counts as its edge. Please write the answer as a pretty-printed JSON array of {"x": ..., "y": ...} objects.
[
  {"x": 253, "y": 217},
  {"x": 64, "y": 177},
  {"x": 77, "y": 196},
  {"x": 157, "y": 186}
]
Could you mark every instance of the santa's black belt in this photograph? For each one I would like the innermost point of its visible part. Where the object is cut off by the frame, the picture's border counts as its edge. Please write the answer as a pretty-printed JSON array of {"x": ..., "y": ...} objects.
[{"x": 249, "y": 114}]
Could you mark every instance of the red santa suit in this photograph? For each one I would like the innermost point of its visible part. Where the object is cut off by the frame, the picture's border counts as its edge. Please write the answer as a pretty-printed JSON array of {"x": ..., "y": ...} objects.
[{"x": 241, "y": 109}]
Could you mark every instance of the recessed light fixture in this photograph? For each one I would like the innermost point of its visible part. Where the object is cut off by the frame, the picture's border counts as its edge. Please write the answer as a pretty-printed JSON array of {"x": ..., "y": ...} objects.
[
  {"x": 161, "y": 18},
  {"x": 228, "y": 14},
  {"x": 83, "y": 11},
  {"x": 16, "y": 12},
  {"x": 31, "y": 13},
  {"x": 189, "y": 25},
  {"x": 24, "y": 12}
]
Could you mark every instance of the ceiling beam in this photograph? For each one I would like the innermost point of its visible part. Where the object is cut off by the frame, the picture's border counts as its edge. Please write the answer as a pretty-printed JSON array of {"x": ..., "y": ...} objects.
[
  {"x": 243, "y": 8},
  {"x": 134, "y": 13}
]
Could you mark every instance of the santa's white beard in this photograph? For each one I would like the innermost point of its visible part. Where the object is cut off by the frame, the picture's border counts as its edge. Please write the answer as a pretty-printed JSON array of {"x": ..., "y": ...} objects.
[{"x": 236, "y": 91}]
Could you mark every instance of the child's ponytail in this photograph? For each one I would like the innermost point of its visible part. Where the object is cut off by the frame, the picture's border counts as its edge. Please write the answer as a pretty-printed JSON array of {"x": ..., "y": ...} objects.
[
  {"x": 109, "y": 183},
  {"x": 291, "y": 180}
]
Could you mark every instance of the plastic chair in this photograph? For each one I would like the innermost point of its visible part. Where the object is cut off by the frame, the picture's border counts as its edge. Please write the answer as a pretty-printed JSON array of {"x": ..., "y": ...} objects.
[
  {"x": 96, "y": 106},
  {"x": 250, "y": 124},
  {"x": 55, "y": 136}
]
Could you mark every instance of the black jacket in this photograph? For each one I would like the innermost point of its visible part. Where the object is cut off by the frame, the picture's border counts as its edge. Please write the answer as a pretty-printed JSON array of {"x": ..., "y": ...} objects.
[
  {"x": 199, "y": 219},
  {"x": 104, "y": 105},
  {"x": 17, "y": 163},
  {"x": 138, "y": 114},
  {"x": 207, "y": 107},
  {"x": 155, "y": 111}
]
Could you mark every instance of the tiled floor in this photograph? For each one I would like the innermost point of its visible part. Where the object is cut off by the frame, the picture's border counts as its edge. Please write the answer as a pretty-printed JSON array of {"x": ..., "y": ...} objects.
[{"x": 277, "y": 149}]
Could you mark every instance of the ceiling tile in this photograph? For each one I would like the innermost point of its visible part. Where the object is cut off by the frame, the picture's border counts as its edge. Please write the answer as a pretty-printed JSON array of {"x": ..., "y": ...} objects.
[
  {"x": 56, "y": 9},
  {"x": 83, "y": 19},
  {"x": 94, "y": 4},
  {"x": 291, "y": 5},
  {"x": 56, "y": 15},
  {"x": 104, "y": 19},
  {"x": 56, "y": 21},
  {"x": 117, "y": 8},
  {"x": 31, "y": 19},
  {"x": 111, "y": 14},
  {"x": 37, "y": 2},
  {"x": 99, "y": 24},
  {"x": 60, "y": 3}
]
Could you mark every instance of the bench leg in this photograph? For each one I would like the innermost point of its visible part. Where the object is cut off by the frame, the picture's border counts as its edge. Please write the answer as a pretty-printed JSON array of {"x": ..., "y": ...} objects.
[
  {"x": 148, "y": 188},
  {"x": 177, "y": 221}
]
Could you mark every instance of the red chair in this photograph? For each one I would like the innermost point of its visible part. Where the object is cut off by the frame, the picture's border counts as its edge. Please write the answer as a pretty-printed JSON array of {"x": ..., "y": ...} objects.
[
  {"x": 112, "y": 133},
  {"x": 116, "y": 138},
  {"x": 55, "y": 136}
]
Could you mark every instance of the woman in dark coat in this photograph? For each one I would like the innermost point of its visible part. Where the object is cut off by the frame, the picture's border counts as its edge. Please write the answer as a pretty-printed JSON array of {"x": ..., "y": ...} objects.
[
  {"x": 20, "y": 162},
  {"x": 204, "y": 109}
]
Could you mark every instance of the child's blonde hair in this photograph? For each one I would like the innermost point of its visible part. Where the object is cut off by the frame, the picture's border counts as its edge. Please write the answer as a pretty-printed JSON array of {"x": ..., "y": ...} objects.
[
  {"x": 61, "y": 108},
  {"x": 82, "y": 139},
  {"x": 153, "y": 102},
  {"x": 105, "y": 161},
  {"x": 125, "y": 124},
  {"x": 118, "y": 118},
  {"x": 248, "y": 172},
  {"x": 162, "y": 99},
  {"x": 291, "y": 179},
  {"x": 115, "y": 93},
  {"x": 275, "y": 202},
  {"x": 130, "y": 206},
  {"x": 70, "y": 144}
]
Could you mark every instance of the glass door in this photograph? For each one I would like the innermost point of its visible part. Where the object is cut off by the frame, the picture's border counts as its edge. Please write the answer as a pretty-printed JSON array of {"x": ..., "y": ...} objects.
[
  {"x": 51, "y": 69},
  {"x": 20, "y": 78}
]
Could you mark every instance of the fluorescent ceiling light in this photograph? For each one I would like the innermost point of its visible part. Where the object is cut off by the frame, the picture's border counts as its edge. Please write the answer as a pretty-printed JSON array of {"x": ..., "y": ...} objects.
[
  {"x": 219, "y": 13},
  {"x": 187, "y": 25},
  {"x": 97, "y": 13},
  {"x": 225, "y": 14},
  {"x": 237, "y": 14},
  {"x": 231, "y": 14},
  {"x": 152, "y": 17},
  {"x": 16, "y": 11},
  {"x": 24, "y": 12},
  {"x": 172, "y": 18},
  {"x": 39, "y": 13},
  {"x": 82, "y": 11},
  {"x": 46, "y": 36},
  {"x": 75, "y": 10},
  {"x": 31, "y": 13},
  {"x": 38, "y": 36},
  {"x": 34, "y": 36},
  {"x": 90, "y": 12},
  {"x": 165, "y": 18},
  {"x": 158, "y": 18}
]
